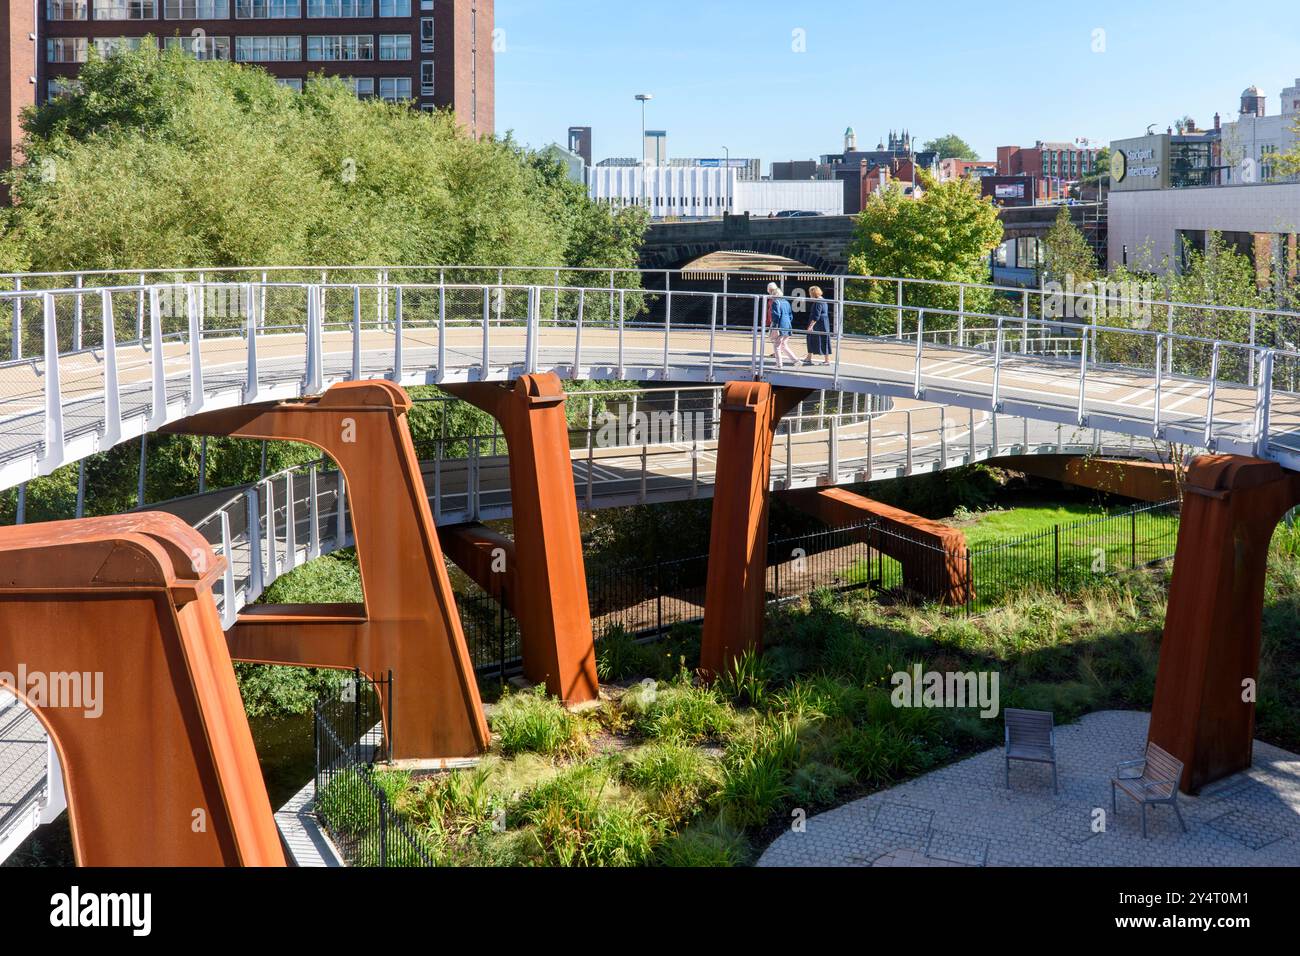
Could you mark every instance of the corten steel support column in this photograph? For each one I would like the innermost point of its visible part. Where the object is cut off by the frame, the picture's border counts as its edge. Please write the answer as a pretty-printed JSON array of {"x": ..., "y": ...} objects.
[
  {"x": 548, "y": 576},
  {"x": 735, "y": 594},
  {"x": 1211, "y": 640},
  {"x": 158, "y": 761},
  {"x": 408, "y": 623}
]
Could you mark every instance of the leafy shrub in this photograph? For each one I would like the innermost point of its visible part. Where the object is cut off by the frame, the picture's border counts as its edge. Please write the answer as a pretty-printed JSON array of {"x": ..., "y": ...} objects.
[
  {"x": 877, "y": 753},
  {"x": 678, "y": 780},
  {"x": 746, "y": 681},
  {"x": 678, "y": 711},
  {"x": 756, "y": 770},
  {"x": 346, "y": 803},
  {"x": 580, "y": 818},
  {"x": 1067, "y": 701},
  {"x": 619, "y": 657},
  {"x": 712, "y": 843},
  {"x": 816, "y": 784},
  {"x": 533, "y": 722}
]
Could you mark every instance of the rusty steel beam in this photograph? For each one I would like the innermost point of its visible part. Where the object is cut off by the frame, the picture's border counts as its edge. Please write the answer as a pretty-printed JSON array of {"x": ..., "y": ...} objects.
[
  {"x": 1202, "y": 713},
  {"x": 1141, "y": 480},
  {"x": 161, "y": 771},
  {"x": 735, "y": 592},
  {"x": 408, "y": 622},
  {"x": 548, "y": 575},
  {"x": 932, "y": 554},
  {"x": 487, "y": 557}
]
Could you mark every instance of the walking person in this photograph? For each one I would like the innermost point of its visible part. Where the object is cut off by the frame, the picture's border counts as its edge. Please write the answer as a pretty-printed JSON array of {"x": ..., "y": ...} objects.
[
  {"x": 780, "y": 319},
  {"x": 819, "y": 328}
]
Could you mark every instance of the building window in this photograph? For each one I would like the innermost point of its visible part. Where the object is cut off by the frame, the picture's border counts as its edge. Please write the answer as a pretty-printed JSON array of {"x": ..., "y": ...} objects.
[
  {"x": 394, "y": 46},
  {"x": 428, "y": 108},
  {"x": 196, "y": 9},
  {"x": 67, "y": 9},
  {"x": 362, "y": 86},
  {"x": 201, "y": 47},
  {"x": 394, "y": 8},
  {"x": 289, "y": 83},
  {"x": 107, "y": 46},
  {"x": 394, "y": 88},
  {"x": 61, "y": 86},
  {"x": 126, "y": 9},
  {"x": 1267, "y": 156},
  {"x": 268, "y": 49},
  {"x": 360, "y": 46},
  {"x": 355, "y": 9},
  {"x": 268, "y": 9},
  {"x": 426, "y": 35},
  {"x": 426, "y": 78},
  {"x": 66, "y": 50}
]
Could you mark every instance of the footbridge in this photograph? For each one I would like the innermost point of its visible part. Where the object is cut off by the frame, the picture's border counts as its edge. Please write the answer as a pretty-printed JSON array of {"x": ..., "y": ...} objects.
[{"x": 96, "y": 360}]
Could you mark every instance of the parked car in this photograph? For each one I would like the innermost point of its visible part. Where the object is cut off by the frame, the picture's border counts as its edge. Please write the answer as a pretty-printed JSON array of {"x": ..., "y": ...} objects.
[{"x": 796, "y": 213}]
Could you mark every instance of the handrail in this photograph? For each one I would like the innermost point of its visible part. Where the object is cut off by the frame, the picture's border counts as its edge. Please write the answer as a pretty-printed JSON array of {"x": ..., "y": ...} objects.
[
  {"x": 256, "y": 341},
  {"x": 272, "y": 548},
  {"x": 1011, "y": 290}
]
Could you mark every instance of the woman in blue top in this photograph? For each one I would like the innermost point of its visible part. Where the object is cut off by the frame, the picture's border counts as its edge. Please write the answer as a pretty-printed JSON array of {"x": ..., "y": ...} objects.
[
  {"x": 819, "y": 328},
  {"x": 780, "y": 319}
]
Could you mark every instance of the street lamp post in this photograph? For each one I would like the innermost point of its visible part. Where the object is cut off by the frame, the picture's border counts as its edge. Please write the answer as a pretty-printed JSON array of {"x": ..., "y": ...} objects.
[
  {"x": 643, "y": 98},
  {"x": 726, "y": 177}
]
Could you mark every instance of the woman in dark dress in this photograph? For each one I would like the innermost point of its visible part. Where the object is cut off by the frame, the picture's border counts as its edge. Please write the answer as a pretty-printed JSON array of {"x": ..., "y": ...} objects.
[{"x": 819, "y": 328}]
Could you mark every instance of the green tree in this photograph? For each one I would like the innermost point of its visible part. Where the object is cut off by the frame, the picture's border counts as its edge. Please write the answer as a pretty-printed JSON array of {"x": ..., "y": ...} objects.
[
  {"x": 1287, "y": 162},
  {"x": 160, "y": 160},
  {"x": 951, "y": 146},
  {"x": 946, "y": 234},
  {"x": 1067, "y": 251}
]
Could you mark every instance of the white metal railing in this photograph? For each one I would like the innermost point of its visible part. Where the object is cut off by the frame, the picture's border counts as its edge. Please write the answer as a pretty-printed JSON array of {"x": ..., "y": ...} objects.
[
  {"x": 1032, "y": 301},
  {"x": 104, "y": 365},
  {"x": 284, "y": 520}
]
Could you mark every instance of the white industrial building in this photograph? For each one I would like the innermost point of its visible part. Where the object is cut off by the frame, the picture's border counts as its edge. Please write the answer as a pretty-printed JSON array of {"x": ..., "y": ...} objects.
[
  {"x": 702, "y": 192},
  {"x": 1253, "y": 141}
]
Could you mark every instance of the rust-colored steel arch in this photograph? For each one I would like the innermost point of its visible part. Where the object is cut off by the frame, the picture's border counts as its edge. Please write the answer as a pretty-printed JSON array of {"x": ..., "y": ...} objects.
[
  {"x": 547, "y": 576},
  {"x": 165, "y": 773},
  {"x": 735, "y": 593},
  {"x": 408, "y": 622},
  {"x": 1202, "y": 713}
]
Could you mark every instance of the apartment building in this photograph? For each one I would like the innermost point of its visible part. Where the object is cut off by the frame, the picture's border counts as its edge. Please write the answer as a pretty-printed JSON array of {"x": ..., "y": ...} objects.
[{"x": 431, "y": 53}]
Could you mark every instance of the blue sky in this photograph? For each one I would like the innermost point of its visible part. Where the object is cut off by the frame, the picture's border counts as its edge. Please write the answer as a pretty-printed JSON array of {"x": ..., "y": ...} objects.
[{"x": 724, "y": 72}]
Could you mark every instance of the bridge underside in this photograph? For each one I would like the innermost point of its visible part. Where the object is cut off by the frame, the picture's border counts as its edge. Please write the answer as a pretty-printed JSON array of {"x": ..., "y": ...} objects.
[{"x": 1204, "y": 702}]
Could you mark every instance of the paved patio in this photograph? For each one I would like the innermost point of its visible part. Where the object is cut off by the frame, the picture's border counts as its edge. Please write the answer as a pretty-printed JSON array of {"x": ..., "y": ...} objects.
[{"x": 964, "y": 814}]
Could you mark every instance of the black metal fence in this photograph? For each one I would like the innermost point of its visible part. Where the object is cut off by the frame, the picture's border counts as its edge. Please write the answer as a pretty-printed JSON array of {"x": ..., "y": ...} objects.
[
  {"x": 1073, "y": 555},
  {"x": 351, "y": 800},
  {"x": 650, "y": 599}
]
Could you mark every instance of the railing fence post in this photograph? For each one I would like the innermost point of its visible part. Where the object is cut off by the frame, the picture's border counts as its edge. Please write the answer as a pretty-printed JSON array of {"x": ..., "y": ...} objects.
[
  {"x": 53, "y": 452},
  {"x": 16, "y": 346}
]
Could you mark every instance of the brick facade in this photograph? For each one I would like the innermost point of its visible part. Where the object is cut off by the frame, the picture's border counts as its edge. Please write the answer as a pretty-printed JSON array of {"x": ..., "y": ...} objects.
[
  {"x": 17, "y": 70},
  {"x": 460, "y": 49}
]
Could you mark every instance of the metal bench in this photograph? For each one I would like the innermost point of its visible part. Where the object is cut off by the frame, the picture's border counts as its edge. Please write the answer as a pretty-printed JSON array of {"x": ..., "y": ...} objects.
[
  {"x": 1030, "y": 735},
  {"x": 1155, "y": 781}
]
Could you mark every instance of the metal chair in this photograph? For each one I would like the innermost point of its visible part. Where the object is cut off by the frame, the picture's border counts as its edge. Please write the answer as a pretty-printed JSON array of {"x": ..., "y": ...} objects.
[
  {"x": 1030, "y": 735},
  {"x": 1156, "y": 781}
]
